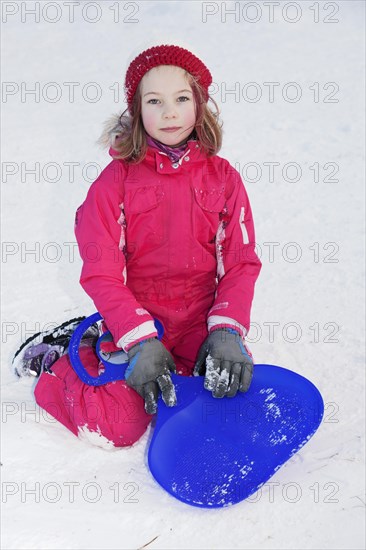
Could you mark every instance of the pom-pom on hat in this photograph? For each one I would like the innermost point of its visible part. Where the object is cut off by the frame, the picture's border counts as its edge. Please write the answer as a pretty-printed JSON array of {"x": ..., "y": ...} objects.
[{"x": 165, "y": 55}]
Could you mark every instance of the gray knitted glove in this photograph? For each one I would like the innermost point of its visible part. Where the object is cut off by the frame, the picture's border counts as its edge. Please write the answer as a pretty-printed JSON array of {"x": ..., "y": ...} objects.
[
  {"x": 225, "y": 362},
  {"x": 150, "y": 365}
]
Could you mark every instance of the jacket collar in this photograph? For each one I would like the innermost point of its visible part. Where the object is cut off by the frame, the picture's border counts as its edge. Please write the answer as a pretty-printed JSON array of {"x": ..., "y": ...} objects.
[{"x": 162, "y": 162}]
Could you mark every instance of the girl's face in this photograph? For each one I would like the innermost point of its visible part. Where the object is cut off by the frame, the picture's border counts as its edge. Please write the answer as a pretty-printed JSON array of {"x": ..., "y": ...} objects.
[{"x": 167, "y": 102}]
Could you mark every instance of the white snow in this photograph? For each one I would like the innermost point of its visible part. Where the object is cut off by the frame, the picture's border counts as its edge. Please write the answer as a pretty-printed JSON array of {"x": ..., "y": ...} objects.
[
  {"x": 211, "y": 375},
  {"x": 308, "y": 313},
  {"x": 96, "y": 438}
]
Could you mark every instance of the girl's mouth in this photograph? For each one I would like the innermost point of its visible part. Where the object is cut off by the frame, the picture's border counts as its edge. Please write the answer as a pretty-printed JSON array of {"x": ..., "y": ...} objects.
[{"x": 172, "y": 129}]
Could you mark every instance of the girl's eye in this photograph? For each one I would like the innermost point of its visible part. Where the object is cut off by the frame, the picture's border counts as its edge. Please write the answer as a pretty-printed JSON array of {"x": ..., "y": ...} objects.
[{"x": 181, "y": 99}]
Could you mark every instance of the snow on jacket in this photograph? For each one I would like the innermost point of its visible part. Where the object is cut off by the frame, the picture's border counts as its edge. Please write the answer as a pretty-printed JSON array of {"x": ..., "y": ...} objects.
[{"x": 159, "y": 231}]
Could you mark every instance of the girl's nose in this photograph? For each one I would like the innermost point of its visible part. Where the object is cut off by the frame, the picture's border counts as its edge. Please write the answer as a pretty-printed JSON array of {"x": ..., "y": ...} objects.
[{"x": 169, "y": 111}]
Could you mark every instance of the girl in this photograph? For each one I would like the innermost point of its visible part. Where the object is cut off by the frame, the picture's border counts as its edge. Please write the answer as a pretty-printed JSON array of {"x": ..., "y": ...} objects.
[{"x": 166, "y": 232}]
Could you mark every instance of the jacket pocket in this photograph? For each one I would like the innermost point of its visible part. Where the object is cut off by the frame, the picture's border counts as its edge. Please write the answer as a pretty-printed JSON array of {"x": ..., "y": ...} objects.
[
  {"x": 144, "y": 198},
  {"x": 210, "y": 199},
  {"x": 145, "y": 218},
  {"x": 209, "y": 205}
]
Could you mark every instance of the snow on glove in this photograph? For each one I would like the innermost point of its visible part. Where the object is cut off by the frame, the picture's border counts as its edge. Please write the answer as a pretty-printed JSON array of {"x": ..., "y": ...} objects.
[
  {"x": 150, "y": 365},
  {"x": 225, "y": 362}
]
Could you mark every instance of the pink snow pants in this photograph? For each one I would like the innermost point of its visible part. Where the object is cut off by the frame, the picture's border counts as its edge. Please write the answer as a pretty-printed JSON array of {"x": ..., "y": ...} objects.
[{"x": 114, "y": 411}]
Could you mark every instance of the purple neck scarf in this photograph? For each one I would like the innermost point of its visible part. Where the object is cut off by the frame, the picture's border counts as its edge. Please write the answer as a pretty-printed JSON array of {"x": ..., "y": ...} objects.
[{"x": 174, "y": 153}]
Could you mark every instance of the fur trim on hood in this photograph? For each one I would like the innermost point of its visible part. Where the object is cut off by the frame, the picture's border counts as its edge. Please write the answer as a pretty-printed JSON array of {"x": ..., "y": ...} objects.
[{"x": 113, "y": 127}]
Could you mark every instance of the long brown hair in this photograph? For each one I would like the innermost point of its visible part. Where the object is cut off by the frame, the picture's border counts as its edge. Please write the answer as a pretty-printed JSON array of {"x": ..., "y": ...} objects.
[{"x": 127, "y": 136}]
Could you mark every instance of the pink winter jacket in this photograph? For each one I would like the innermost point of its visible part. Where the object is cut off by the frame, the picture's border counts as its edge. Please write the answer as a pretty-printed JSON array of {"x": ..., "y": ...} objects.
[{"x": 155, "y": 231}]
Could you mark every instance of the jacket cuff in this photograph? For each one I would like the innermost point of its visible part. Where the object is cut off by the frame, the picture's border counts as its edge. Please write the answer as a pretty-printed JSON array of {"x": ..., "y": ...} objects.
[
  {"x": 136, "y": 335},
  {"x": 215, "y": 322}
]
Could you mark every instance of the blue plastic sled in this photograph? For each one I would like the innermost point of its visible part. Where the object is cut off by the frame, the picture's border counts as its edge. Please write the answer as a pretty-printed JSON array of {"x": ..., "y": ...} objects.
[{"x": 211, "y": 452}]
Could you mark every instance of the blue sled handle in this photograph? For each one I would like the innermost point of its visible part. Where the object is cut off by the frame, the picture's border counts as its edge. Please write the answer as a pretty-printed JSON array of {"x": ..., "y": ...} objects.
[{"x": 115, "y": 363}]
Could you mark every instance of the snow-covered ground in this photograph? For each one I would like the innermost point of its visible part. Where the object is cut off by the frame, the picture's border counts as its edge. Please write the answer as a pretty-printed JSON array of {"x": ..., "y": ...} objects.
[{"x": 308, "y": 313}]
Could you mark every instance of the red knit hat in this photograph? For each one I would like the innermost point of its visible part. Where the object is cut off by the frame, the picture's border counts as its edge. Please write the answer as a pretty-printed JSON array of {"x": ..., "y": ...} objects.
[{"x": 165, "y": 55}]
